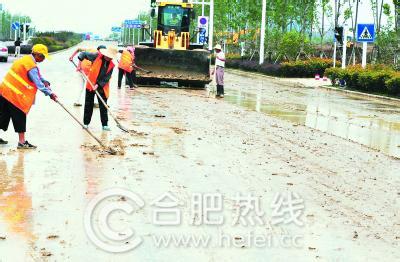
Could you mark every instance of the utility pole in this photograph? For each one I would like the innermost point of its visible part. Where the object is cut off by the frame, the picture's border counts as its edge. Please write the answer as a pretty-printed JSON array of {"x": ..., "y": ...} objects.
[
  {"x": 24, "y": 33},
  {"x": 138, "y": 31},
  {"x": 124, "y": 36},
  {"x": 25, "y": 30},
  {"x": 150, "y": 28},
  {"x": 335, "y": 43},
  {"x": 262, "y": 40},
  {"x": 10, "y": 28},
  {"x": 121, "y": 34},
  {"x": 211, "y": 26},
  {"x": 397, "y": 13},
  {"x": 344, "y": 53},
  {"x": 19, "y": 31}
]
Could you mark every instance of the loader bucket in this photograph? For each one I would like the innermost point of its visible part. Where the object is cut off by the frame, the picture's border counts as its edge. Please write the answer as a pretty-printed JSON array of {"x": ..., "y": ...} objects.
[{"x": 187, "y": 68}]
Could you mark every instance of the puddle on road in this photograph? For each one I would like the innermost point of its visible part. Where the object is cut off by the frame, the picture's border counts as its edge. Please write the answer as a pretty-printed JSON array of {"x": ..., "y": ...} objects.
[
  {"x": 373, "y": 124},
  {"x": 15, "y": 202}
]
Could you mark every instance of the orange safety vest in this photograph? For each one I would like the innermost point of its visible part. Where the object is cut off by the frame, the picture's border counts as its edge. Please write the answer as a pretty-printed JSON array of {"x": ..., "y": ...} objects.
[
  {"x": 86, "y": 64},
  {"x": 94, "y": 73},
  {"x": 16, "y": 87},
  {"x": 127, "y": 60}
]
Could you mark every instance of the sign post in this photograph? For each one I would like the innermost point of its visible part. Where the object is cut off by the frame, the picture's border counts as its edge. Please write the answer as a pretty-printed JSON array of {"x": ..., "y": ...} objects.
[
  {"x": 334, "y": 53},
  {"x": 15, "y": 26},
  {"x": 344, "y": 56},
  {"x": 262, "y": 35},
  {"x": 335, "y": 42},
  {"x": 24, "y": 32},
  {"x": 365, "y": 34},
  {"x": 364, "y": 54}
]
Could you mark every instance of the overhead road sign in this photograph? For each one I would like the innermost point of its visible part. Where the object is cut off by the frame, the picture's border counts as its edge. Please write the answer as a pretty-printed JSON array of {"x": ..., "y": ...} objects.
[
  {"x": 116, "y": 29},
  {"x": 133, "y": 23}
]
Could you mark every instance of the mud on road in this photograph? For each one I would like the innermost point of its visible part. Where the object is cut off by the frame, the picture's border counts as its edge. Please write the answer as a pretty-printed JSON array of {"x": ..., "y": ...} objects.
[{"x": 185, "y": 142}]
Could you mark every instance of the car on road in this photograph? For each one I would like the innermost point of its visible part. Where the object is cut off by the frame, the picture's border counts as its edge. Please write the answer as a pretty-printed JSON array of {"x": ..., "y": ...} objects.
[{"x": 3, "y": 53}]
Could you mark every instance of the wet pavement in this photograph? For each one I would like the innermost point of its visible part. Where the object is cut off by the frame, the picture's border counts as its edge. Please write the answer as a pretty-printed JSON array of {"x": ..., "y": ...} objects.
[
  {"x": 183, "y": 142},
  {"x": 370, "y": 122}
]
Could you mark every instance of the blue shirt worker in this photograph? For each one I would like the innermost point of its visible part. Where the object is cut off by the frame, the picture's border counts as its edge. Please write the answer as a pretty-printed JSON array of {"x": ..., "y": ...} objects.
[{"x": 18, "y": 91}]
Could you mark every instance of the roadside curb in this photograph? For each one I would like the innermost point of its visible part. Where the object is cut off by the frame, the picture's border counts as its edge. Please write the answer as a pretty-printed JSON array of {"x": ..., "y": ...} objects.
[
  {"x": 283, "y": 81},
  {"x": 274, "y": 79},
  {"x": 332, "y": 88}
]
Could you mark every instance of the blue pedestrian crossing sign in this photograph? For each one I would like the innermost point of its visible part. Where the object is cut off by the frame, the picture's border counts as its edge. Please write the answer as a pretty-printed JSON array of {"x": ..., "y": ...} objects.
[{"x": 366, "y": 33}]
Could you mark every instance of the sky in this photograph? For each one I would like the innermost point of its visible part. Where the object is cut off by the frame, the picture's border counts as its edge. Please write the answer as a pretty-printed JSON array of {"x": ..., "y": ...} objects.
[
  {"x": 365, "y": 11},
  {"x": 97, "y": 16}
]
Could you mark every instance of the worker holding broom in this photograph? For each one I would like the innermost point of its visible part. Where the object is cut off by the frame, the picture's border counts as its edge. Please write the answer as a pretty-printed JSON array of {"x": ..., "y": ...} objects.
[
  {"x": 127, "y": 66},
  {"x": 18, "y": 92},
  {"x": 98, "y": 79},
  {"x": 84, "y": 66}
]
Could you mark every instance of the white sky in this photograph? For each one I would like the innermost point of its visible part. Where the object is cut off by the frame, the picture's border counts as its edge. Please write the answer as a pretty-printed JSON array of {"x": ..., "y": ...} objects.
[
  {"x": 96, "y": 15},
  {"x": 365, "y": 15},
  {"x": 77, "y": 15}
]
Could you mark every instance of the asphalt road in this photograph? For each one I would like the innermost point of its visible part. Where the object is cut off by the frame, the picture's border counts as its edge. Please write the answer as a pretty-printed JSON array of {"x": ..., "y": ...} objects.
[{"x": 258, "y": 183}]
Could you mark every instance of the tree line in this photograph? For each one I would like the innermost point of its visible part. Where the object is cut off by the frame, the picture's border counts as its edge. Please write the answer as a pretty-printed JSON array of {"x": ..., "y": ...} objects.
[
  {"x": 6, "y": 19},
  {"x": 301, "y": 28}
]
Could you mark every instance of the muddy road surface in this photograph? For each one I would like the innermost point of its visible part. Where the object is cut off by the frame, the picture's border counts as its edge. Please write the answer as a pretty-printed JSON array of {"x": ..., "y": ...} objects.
[{"x": 258, "y": 176}]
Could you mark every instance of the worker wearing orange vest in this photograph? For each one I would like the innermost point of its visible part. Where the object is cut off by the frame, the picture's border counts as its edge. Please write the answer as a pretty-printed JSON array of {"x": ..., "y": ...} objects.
[
  {"x": 18, "y": 92},
  {"x": 99, "y": 75},
  {"x": 127, "y": 66},
  {"x": 84, "y": 66}
]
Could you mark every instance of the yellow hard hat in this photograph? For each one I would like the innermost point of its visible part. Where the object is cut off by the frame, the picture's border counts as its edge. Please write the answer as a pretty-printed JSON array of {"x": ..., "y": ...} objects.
[{"x": 41, "y": 49}]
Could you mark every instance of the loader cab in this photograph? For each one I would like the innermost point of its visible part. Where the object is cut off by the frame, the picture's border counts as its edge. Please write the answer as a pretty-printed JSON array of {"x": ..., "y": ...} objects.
[
  {"x": 173, "y": 26},
  {"x": 173, "y": 18}
]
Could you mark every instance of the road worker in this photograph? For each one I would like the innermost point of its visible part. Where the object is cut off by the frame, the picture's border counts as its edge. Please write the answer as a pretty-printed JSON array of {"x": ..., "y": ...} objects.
[
  {"x": 219, "y": 70},
  {"x": 17, "y": 44},
  {"x": 84, "y": 67},
  {"x": 18, "y": 91},
  {"x": 127, "y": 66},
  {"x": 99, "y": 75}
]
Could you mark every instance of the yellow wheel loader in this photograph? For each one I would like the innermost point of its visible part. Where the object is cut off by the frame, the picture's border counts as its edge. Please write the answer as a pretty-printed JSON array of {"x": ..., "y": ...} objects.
[{"x": 170, "y": 57}]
